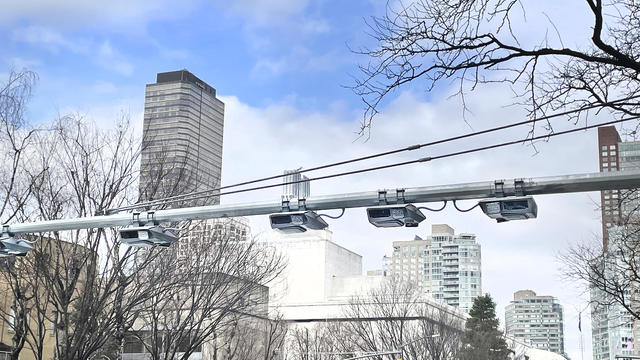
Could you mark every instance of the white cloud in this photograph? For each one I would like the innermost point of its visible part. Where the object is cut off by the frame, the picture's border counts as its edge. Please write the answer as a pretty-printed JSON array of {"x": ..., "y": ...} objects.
[
  {"x": 49, "y": 39},
  {"x": 102, "y": 54},
  {"x": 104, "y": 87},
  {"x": 111, "y": 59},
  {"x": 278, "y": 33},
  {"x": 117, "y": 15},
  {"x": 298, "y": 60},
  {"x": 516, "y": 255},
  {"x": 19, "y": 63},
  {"x": 107, "y": 114},
  {"x": 266, "y": 13}
]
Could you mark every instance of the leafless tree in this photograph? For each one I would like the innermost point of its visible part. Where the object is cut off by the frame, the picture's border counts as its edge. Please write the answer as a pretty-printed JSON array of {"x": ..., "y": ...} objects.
[
  {"x": 612, "y": 274},
  {"x": 276, "y": 332},
  {"x": 82, "y": 288},
  {"x": 313, "y": 342},
  {"x": 395, "y": 317},
  {"x": 476, "y": 42},
  {"x": 243, "y": 338},
  {"x": 205, "y": 288},
  {"x": 253, "y": 337},
  {"x": 78, "y": 286},
  {"x": 17, "y": 138}
]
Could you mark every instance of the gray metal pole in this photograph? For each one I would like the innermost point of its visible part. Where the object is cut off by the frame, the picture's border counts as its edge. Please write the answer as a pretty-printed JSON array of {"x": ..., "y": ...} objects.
[{"x": 468, "y": 191}]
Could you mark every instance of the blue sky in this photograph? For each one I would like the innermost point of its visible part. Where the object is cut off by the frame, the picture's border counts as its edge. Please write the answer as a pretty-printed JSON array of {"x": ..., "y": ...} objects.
[
  {"x": 262, "y": 52},
  {"x": 280, "y": 67}
]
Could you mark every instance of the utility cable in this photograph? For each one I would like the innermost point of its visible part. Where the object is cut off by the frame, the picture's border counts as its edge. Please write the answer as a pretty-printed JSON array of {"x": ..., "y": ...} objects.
[
  {"x": 435, "y": 210},
  {"x": 333, "y": 217},
  {"x": 464, "y": 210},
  {"x": 373, "y": 156},
  {"x": 424, "y": 159}
]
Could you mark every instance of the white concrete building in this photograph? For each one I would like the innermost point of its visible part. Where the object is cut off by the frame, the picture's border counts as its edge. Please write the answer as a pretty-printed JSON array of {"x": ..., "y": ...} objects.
[
  {"x": 314, "y": 262},
  {"x": 537, "y": 320},
  {"x": 446, "y": 265}
]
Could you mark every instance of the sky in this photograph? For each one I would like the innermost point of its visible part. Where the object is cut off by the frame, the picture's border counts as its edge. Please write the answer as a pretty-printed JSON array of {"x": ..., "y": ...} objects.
[{"x": 283, "y": 69}]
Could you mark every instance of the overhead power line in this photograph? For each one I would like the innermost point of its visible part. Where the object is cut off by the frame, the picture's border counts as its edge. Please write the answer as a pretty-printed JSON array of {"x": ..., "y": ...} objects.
[
  {"x": 415, "y": 161},
  {"x": 184, "y": 197}
]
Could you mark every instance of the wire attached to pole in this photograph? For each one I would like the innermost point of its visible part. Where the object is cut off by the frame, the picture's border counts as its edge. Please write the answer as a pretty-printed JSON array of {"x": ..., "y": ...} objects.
[
  {"x": 464, "y": 210},
  {"x": 434, "y": 210},
  {"x": 392, "y": 165},
  {"x": 332, "y": 217},
  {"x": 183, "y": 197}
]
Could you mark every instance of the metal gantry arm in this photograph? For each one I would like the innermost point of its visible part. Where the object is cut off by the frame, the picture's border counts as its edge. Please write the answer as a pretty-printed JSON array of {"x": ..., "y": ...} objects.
[{"x": 467, "y": 191}]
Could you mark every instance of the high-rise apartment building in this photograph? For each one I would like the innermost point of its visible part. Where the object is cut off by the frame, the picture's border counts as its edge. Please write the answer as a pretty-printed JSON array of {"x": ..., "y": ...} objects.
[
  {"x": 612, "y": 326},
  {"x": 182, "y": 136},
  {"x": 608, "y": 141},
  {"x": 536, "y": 320},
  {"x": 446, "y": 265}
]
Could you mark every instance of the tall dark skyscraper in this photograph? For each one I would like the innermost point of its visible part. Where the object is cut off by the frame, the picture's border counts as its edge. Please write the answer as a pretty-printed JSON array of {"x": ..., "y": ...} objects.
[{"x": 182, "y": 136}]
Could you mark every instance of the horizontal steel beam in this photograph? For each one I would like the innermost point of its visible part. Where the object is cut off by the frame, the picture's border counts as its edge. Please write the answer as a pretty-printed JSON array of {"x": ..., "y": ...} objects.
[{"x": 468, "y": 191}]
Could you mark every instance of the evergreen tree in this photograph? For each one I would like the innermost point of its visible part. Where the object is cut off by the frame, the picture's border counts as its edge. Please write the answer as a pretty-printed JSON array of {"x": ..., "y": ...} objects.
[{"x": 482, "y": 340}]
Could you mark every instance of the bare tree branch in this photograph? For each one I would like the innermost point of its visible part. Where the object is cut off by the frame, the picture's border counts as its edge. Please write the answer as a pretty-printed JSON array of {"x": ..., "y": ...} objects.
[{"x": 473, "y": 42}]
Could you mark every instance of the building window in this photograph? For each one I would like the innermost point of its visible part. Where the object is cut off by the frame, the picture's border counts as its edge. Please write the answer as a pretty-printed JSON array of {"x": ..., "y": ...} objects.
[
  {"x": 604, "y": 147},
  {"x": 604, "y": 153}
]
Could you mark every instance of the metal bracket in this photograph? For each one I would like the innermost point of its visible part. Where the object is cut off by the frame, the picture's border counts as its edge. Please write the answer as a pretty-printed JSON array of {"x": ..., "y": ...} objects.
[
  {"x": 382, "y": 197},
  {"x": 400, "y": 196},
  {"x": 518, "y": 187},
  {"x": 498, "y": 188},
  {"x": 302, "y": 204},
  {"x": 285, "y": 206},
  {"x": 5, "y": 230},
  {"x": 151, "y": 217},
  {"x": 135, "y": 216}
]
